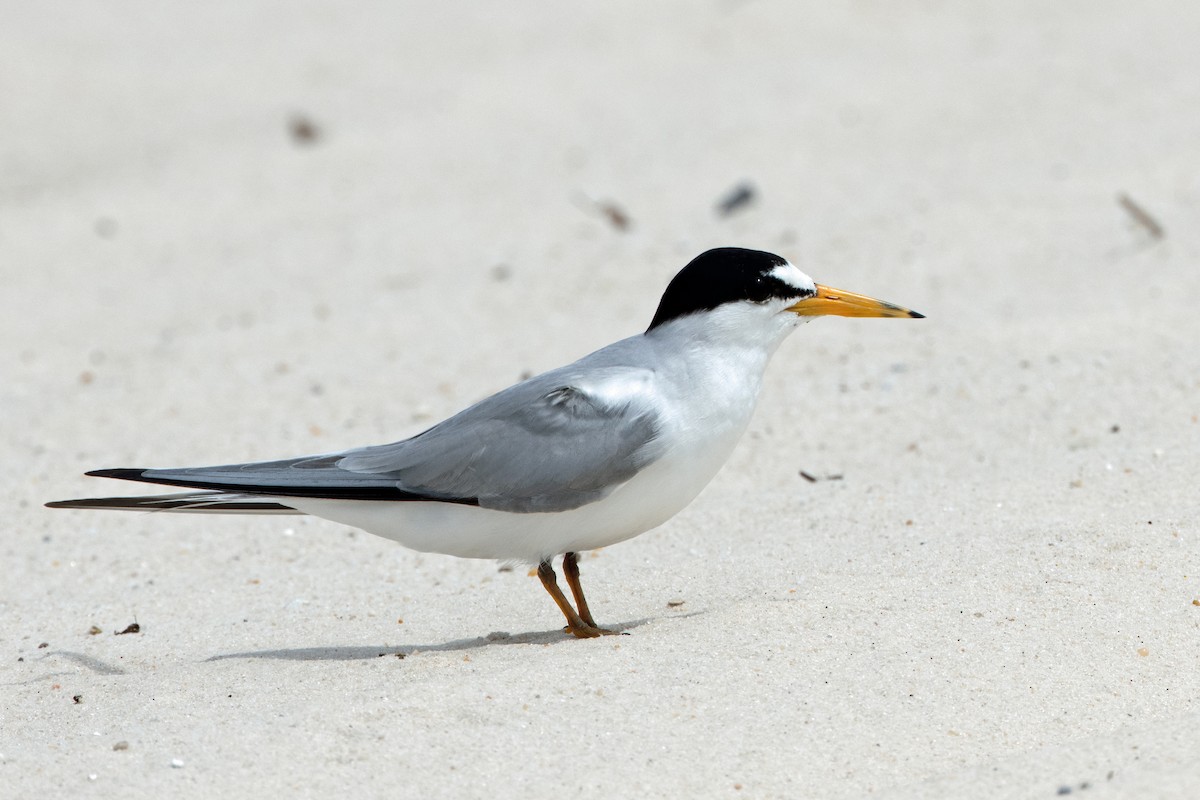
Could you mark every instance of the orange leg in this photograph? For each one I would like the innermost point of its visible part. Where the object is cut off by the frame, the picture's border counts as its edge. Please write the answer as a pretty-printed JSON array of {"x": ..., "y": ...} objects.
[
  {"x": 571, "y": 571},
  {"x": 580, "y": 626}
]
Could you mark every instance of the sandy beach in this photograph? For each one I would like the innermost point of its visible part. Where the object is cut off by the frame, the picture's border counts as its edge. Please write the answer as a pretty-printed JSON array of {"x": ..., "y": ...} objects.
[{"x": 955, "y": 557}]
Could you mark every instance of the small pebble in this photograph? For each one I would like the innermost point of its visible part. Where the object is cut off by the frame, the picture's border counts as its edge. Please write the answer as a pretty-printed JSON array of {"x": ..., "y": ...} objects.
[
  {"x": 303, "y": 130},
  {"x": 122, "y": 745},
  {"x": 177, "y": 763},
  {"x": 736, "y": 198},
  {"x": 615, "y": 215}
]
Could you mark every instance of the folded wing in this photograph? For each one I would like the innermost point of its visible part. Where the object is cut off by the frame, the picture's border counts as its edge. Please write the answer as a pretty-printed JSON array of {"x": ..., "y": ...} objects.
[{"x": 543, "y": 445}]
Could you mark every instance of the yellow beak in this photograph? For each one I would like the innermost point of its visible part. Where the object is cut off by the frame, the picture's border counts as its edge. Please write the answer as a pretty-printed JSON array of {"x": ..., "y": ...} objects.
[{"x": 848, "y": 304}]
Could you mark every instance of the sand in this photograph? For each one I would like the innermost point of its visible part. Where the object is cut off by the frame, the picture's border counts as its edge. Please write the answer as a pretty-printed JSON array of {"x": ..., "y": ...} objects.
[{"x": 257, "y": 231}]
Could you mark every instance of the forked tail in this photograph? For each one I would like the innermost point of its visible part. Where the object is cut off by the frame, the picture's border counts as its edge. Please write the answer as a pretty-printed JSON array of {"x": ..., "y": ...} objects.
[{"x": 188, "y": 502}]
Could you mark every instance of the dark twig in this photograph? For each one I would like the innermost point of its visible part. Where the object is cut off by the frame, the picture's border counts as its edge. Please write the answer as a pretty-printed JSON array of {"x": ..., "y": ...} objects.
[{"x": 1141, "y": 216}]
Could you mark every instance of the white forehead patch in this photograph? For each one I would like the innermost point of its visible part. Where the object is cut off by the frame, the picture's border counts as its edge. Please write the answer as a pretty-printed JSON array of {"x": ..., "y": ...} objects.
[{"x": 792, "y": 276}]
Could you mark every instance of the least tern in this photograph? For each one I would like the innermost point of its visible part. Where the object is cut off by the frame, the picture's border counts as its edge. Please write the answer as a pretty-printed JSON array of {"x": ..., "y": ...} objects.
[{"x": 577, "y": 458}]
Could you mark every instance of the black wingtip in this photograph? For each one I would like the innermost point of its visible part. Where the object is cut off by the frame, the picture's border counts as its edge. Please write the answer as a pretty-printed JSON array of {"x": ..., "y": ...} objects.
[
  {"x": 123, "y": 474},
  {"x": 198, "y": 502},
  {"x": 89, "y": 503},
  {"x": 913, "y": 314}
]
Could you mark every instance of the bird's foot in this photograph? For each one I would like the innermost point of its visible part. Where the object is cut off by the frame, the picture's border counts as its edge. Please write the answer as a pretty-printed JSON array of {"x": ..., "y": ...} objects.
[{"x": 585, "y": 631}]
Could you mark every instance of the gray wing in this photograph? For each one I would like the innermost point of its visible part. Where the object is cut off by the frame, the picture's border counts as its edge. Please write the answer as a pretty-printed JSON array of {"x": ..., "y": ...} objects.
[
  {"x": 545, "y": 445},
  {"x": 548, "y": 444}
]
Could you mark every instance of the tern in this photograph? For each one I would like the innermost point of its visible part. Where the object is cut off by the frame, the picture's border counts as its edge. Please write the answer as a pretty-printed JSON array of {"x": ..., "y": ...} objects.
[{"x": 575, "y": 459}]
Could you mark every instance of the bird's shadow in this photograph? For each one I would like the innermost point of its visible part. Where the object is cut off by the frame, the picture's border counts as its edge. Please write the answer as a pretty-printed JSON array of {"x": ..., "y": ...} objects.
[
  {"x": 363, "y": 652},
  {"x": 82, "y": 659}
]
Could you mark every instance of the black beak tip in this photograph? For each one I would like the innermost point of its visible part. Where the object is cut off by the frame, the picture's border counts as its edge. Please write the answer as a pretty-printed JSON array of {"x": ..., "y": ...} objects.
[{"x": 916, "y": 315}]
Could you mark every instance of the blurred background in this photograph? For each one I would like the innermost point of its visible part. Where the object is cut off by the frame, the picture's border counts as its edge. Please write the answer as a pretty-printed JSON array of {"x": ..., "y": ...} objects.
[
  {"x": 239, "y": 231},
  {"x": 185, "y": 174}
]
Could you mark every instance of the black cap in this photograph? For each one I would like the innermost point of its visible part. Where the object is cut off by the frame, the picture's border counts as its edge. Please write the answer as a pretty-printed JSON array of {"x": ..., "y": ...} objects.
[{"x": 724, "y": 275}]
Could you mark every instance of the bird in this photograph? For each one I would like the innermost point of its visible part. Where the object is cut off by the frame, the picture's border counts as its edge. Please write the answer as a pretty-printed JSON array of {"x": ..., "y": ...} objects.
[{"x": 572, "y": 460}]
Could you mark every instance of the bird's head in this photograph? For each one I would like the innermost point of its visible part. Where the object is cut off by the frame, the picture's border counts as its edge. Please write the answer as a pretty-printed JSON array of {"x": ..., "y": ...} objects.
[{"x": 761, "y": 293}]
